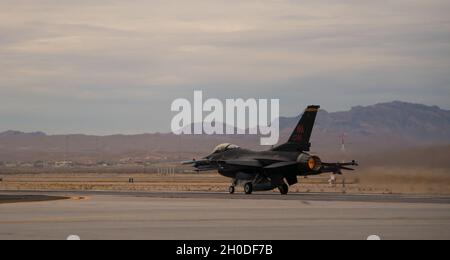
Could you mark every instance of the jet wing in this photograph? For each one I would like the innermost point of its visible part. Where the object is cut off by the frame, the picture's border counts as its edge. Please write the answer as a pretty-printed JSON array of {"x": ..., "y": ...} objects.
[
  {"x": 205, "y": 169},
  {"x": 203, "y": 165},
  {"x": 338, "y": 167},
  {"x": 197, "y": 163},
  {"x": 247, "y": 163},
  {"x": 188, "y": 162},
  {"x": 208, "y": 165},
  {"x": 258, "y": 163}
]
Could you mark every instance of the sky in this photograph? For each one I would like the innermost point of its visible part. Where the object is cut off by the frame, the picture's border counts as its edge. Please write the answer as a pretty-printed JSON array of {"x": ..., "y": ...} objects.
[{"x": 113, "y": 66}]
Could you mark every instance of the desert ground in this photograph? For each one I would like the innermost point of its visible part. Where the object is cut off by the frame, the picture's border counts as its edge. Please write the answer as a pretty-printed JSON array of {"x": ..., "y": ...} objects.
[
  {"x": 372, "y": 180},
  {"x": 373, "y": 201}
]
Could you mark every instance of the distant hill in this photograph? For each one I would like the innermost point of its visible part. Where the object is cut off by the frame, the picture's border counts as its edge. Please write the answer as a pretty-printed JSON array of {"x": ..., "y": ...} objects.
[
  {"x": 10, "y": 133},
  {"x": 419, "y": 123},
  {"x": 385, "y": 126},
  {"x": 370, "y": 129}
]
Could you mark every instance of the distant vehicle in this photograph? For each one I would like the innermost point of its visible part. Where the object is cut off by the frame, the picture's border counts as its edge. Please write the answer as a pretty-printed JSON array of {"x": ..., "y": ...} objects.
[
  {"x": 276, "y": 168},
  {"x": 64, "y": 164}
]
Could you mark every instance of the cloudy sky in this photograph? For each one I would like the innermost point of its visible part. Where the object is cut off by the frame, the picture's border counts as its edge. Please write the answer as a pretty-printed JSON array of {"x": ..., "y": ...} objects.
[{"x": 114, "y": 66}]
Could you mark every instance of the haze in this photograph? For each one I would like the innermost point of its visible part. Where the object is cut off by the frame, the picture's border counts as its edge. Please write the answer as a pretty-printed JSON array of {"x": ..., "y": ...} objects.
[{"x": 109, "y": 66}]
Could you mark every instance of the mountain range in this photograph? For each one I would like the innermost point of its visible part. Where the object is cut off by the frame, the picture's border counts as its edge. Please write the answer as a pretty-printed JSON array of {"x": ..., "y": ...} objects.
[{"x": 362, "y": 129}]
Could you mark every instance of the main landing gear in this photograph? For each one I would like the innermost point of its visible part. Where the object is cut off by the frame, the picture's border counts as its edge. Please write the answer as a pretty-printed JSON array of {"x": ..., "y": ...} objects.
[
  {"x": 248, "y": 188},
  {"x": 284, "y": 189},
  {"x": 232, "y": 188}
]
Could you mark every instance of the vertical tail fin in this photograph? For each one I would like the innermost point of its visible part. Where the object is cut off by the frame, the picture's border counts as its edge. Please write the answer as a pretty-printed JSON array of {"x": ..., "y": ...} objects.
[
  {"x": 302, "y": 133},
  {"x": 300, "y": 137}
]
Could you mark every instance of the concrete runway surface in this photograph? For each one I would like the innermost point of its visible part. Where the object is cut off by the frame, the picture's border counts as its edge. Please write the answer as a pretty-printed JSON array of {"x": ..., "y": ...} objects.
[{"x": 216, "y": 216}]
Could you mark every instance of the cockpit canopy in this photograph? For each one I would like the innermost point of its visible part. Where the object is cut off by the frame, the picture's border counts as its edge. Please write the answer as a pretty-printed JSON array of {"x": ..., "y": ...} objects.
[{"x": 225, "y": 147}]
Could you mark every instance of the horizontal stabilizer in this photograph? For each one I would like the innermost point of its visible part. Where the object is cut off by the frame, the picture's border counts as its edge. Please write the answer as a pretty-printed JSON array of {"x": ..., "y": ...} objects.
[
  {"x": 188, "y": 162},
  {"x": 352, "y": 163},
  {"x": 337, "y": 168}
]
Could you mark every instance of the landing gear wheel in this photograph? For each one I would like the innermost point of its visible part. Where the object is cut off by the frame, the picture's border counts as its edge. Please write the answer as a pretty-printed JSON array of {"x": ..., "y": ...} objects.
[
  {"x": 248, "y": 188},
  {"x": 284, "y": 189},
  {"x": 231, "y": 189}
]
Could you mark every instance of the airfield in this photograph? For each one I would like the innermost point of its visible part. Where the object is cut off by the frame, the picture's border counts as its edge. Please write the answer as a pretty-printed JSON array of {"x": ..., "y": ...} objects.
[
  {"x": 215, "y": 215},
  {"x": 196, "y": 206}
]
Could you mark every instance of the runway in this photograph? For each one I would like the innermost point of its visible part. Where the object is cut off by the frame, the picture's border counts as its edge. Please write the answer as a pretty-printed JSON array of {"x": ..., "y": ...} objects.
[
  {"x": 12, "y": 198},
  {"x": 377, "y": 198},
  {"x": 217, "y": 216}
]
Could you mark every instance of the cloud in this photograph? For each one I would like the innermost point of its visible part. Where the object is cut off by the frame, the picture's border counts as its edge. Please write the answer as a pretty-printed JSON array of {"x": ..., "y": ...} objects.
[{"x": 57, "y": 56}]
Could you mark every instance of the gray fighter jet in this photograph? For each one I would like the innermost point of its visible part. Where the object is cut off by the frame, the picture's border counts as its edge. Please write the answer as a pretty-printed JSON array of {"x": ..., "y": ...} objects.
[{"x": 277, "y": 168}]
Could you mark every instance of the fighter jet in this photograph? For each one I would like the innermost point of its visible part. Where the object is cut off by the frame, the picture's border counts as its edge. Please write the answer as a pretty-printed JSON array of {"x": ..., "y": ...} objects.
[{"x": 278, "y": 167}]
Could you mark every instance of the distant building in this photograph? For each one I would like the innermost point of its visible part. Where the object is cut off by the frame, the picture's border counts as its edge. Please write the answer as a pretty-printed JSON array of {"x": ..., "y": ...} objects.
[
  {"x": 39, "y": 164},
  {"x": 86, "y": 164},
  {"x": 104, "y": 164},
  {"x": 26, "y": 164},
  {"x": 139, "y": 162},
  {"x": 63, "y": 164},
  {"x": 127, "y": 160},
  {"x": 10, "y": 165}
]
